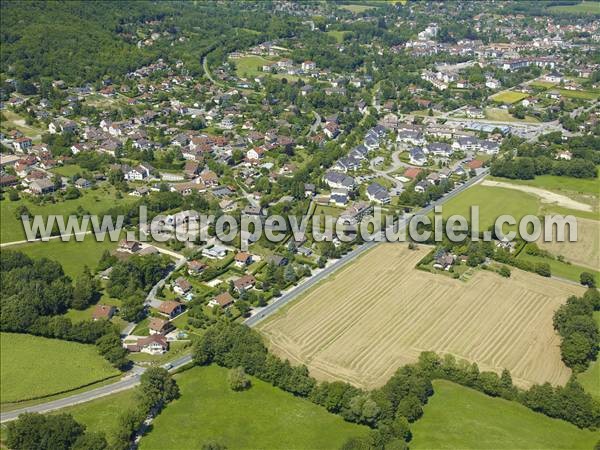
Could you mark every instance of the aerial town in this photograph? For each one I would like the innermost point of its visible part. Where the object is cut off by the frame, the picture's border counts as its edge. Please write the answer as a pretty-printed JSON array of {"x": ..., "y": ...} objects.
[{"x": 304, "y": 109}]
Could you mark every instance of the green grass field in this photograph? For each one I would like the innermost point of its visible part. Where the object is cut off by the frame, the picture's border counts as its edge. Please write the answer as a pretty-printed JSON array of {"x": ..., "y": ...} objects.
[
  {"x": 585, "y": 95},
  {"x": 461, "y": 418},
  {"x": 262, "y": 417},
  {"x": 13, "y": 121},
  {"x": 102, "y": 415},
  {"x": 492, "y": 202},
  {"x": 94, "y": 201},
  {"x": 509, "y": 97},
  {"x": 72, "y": 255},
  {"x": 67, "y": 171},
  {"x": 34, "y": 367},
  {"x": 542, "y": 84},
  {"x": 590, "y": 379},
  {"x": 338, "y": 35},
  {"x": 580, "y": 8},
  {"x": 561, "y": 269},
  {"x": 250, "y": 66},
  {"x": 504, "y": 116},
  {"x": 356, "y": 8},
  {"x": 564, "y": 185}
]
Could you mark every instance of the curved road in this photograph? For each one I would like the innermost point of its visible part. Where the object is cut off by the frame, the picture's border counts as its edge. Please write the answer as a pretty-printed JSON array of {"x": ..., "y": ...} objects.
[{"x": 132, "y": 378}]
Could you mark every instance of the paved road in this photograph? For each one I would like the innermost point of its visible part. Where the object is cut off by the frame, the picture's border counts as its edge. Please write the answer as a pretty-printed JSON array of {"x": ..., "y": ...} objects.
[
  {"x": 288, "y": 297},
  {"x": 130, "y": 380},
  {"x": 133, "y": 377},
  {"x": 58, "y": 236}
]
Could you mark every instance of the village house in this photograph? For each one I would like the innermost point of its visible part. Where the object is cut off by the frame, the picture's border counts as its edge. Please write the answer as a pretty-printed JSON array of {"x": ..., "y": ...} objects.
[
  {"x": 170, "y": 308},
  {"x": 41, "y": 187},
  {"x": 155, "y": 344},
  {"x": 417, "y": 156},
  {"x": 243, "y": 259},
  {"x": 244, "y": 283},
  {"x": 22, "y": 144},
  {"x": 377, "y": 193},
  {"x": 103, "y": 312},
  {"x": 129, "y": 246},
  {"x": 159, "y": 326},
  {"x": 224, "y": 300},
  {"x": 215, "y": 252},
  {"x": 181, "y": 286},
  {"x": 196, "y": 267}
]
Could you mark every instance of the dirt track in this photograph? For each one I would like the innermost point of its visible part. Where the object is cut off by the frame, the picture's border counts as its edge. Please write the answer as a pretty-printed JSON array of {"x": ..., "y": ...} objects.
[{"x": 380, "y": 313}]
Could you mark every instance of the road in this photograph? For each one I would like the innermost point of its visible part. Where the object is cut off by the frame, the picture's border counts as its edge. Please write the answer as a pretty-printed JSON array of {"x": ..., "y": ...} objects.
[
  {"x": 8, "y": 244},
  {"x": 349, "y": 257},
  {"x": 132, "y": 378}
]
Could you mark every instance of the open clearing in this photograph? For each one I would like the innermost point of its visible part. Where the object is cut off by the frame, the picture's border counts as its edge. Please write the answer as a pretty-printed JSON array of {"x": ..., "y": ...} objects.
[
  {"x": 586, "y": 251},
  {"x": 457, "y": 417},
  {"x": 580, "y": 8},
  {"x": 263, "y": 417},
  {"x": 503, "y": 115},
  {"x": 509, "y": 97},
  {"x": 544, "y": 195},
  {"x": 34, "y": 367},
  {"x": 356, "y": 8},
  {"x": 380, "y": 313}
]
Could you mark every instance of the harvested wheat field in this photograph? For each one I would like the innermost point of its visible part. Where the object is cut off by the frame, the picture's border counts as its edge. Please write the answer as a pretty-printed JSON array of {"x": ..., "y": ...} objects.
[
  {"x": 380, "y": 312},
  {"x": 586, "y": 251}
]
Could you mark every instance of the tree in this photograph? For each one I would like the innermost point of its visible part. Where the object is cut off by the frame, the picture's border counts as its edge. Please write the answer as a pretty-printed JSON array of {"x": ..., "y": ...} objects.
[
  {"x": 410, "y": 407},
  {"x": 13, "y": 196},
  {"x": 157, "y": 388},
  {"x": 84, "y": 291},
  {"x": 576, "y": 349},
  {"x": 35, "y": 431},
  {"x": 90, "y": 441},
  {"x": 504, "y": 271},
  {"x": 238, "y": 381},
  {"x": 587, "y": 279}
]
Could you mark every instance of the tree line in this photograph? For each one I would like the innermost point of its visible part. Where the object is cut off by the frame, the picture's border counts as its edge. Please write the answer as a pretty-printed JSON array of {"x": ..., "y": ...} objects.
[
  {"x": 35, "y": 294},
  {"x": 390, "y": 409},
  {"x": 63, "y": 432}
]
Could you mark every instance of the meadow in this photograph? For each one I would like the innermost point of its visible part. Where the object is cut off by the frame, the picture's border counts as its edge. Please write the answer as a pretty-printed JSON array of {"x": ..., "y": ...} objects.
[
  {"x": 457, "y": 417},
  {"x": 34, "y": 367},
  {"x": 585, "y": 7},
  {"x": 263, "y": 417},
  {"x": 566, "y": 185},
  {"x": 338, "y": 35},
  {"x": 94, "y": 201},
  {"x": 503, "y": 115},
  {"x": 356, "y": 8},
  {"x": 379, "y": 313},
  {"x": 250, "y": 66},
  {"x": 561, "y": 269},
  {"x": 590, "y": 379},
  {"x": 72, "y": 255},
  {"x": 509, "y": 97},
  {"x": 584, "y": 95}
]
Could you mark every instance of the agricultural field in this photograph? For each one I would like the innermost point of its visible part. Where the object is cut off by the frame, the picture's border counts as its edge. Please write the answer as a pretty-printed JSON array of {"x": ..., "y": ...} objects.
[
  {"x": 459, "y": 417},
  {"x": 380, "y": 313},
  {"x": 585, "y": 7},
  {"x": 584, "y": 95},
  {"x": 34, "y": 367},
  {"x": 72, "y": 255},
  {"x": 261, "y": 417},
  {"x": 508, "y": 97},
  {"x": 586, "y": 251}
]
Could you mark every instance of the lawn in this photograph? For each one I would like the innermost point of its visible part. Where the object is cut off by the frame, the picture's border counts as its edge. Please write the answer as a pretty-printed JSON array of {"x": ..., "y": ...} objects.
[
  {"x": 492, "y": 202},
  {"x": 262, "y": 417},
  {"x": 590, "y": 379},
  {"x": 95, "y": 201},
  {"x": 540, "y": 84},
  {"x": 72, "y": 255},
  {"x": 560, "y": 269},
  {"x": 503, "y": 115},
  {"x": 561, "y": 184},
  {"x": 250, "y": 66},
  {"x": 102, "y": 415},
  {"x": 509, "y": 97},
  {"x": 460, "y": 418},
  {"x": 68, "y": 170},
  {"x": 585, "y": 95},
  {"x": 34, "y": 367},
  {"x": 356, "y": 8},
  {"x": 580, "y": 8},
  {"x": 338, "y": 35}
]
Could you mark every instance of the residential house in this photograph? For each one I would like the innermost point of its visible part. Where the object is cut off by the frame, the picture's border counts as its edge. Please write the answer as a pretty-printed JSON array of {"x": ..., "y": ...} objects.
[
  {"x": 170, "y": 308},
  {"x": 215, "y": 252},
  {"x": 22, "y": 144},
  {"x": 421, "y": 186},
  {"x": 243, "y": 259},
  {"x": 338, "y": 180},
  {"x": 439, "y": 149},
  {"x": 155, "y": 344},
  {"x": 159, "y": 326},
  {"x": 41, "y": 187},
  {"x": 103, "y": 312},
  {"x": 223, "y": 300},
  {"x": 417, "y": 156},
  {"x": 129, "y": 246},
  {"x": 181, "y": 286},
  {"x": 244, "y": 283},
  {"x": 377, "y": 193},
  {"x": 82, "y": 183},
  {"x": 196, "y": 267}
]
